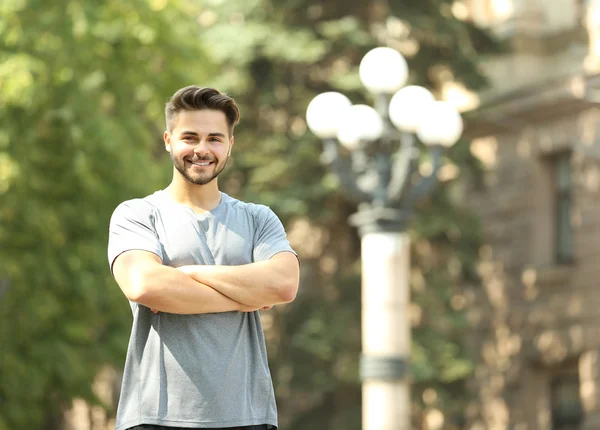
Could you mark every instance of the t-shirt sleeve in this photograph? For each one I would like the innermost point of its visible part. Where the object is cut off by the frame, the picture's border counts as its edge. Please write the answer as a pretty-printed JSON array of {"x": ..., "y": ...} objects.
[
  {"x": 132, "y": 228},
  {"x": 270, "y": 237}
]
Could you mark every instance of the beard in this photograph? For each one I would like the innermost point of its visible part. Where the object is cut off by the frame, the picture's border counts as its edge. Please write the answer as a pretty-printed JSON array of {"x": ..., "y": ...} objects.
[{"x": 198, "y": 178}]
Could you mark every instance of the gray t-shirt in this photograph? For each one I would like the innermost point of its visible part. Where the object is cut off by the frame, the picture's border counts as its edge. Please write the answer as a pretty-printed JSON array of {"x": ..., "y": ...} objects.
[{"x": 205, "y": 370}]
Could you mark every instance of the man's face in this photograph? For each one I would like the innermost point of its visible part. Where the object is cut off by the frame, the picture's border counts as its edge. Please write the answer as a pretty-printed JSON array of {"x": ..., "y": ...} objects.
[{"x": 199, "y": 144}]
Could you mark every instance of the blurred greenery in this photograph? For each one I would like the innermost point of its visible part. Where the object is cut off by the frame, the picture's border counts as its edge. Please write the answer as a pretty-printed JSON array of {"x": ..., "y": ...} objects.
[{"x": 82, "y": 88}]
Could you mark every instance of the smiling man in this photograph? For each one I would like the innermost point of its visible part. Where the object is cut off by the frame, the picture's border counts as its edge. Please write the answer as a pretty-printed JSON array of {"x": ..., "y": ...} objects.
[{"x": 197, "y": 265}]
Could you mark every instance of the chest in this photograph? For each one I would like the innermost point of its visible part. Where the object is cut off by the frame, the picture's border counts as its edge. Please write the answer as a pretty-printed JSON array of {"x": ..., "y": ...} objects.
[{"x": 188, "y": 238}]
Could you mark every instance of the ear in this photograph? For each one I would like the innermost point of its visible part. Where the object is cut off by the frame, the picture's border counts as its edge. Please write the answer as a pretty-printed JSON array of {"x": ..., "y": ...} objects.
[
  {"x": 230, "y": 145},
  {"x": 167, "y": 139}
]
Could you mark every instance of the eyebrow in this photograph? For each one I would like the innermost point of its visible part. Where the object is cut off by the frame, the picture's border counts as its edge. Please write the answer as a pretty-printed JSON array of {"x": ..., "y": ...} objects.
[{"x": 193, "y": 133}]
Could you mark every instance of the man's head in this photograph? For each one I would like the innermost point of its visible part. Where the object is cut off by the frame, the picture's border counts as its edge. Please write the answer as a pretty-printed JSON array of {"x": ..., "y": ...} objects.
[{"x": 199, "y": 133}]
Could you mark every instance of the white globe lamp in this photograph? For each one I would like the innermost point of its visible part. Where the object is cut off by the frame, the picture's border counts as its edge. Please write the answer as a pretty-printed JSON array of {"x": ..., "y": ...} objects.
[
  {"x": 443, "y": 125},
  {"x": 325, "y": 112},
  {"x": 361, "y": 123},
  {"x": 409, "y": 106},
  {"x": 383, "y": 71}
]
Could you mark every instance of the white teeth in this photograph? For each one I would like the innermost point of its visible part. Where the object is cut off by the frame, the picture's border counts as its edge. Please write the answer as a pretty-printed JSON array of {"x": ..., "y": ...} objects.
[{"x": 202, "y": 164}]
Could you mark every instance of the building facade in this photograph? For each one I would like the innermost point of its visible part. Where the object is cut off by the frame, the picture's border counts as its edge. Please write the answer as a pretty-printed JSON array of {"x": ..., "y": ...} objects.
[{"x": 536, "y": 131}]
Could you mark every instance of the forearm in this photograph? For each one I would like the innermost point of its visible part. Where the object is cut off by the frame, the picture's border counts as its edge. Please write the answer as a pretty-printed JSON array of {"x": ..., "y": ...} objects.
[
  {"x": 257, "y": 284},
  {"x": 166, "y": 289}
]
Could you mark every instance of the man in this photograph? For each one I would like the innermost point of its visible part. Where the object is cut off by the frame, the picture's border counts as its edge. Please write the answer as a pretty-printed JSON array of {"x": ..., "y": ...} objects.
[{"x": 196, "y": 266}]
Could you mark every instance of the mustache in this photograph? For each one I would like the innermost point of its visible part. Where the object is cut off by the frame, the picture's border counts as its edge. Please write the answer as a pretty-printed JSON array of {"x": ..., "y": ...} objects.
[{"x": 196, "y": 159}]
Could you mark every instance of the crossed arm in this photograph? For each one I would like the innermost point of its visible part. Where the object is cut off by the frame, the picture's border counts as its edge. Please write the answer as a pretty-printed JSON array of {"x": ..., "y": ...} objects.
[{"x": 205, "y": 289}]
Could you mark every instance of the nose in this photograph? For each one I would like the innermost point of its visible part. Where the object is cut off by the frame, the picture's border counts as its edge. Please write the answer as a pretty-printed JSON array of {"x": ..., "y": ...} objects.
[{"x": 201, "y": 147}]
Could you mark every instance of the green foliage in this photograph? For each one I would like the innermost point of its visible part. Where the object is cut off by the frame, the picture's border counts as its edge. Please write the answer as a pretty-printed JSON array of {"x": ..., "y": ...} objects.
[{"x": 82, "y": 86}]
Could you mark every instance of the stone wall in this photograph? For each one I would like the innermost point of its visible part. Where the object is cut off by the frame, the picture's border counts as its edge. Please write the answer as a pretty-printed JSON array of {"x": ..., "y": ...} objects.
[
  {"x": 531, "y": 316},
  {"x": 535, "y": 320}
]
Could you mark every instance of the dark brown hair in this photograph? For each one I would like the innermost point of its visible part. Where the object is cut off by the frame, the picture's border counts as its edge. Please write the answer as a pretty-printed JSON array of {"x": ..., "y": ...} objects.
[{"x": 197, "y": 98}]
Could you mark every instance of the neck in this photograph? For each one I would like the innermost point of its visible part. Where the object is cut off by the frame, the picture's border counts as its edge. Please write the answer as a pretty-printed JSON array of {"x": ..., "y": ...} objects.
[{"x": 201, "y": 198}]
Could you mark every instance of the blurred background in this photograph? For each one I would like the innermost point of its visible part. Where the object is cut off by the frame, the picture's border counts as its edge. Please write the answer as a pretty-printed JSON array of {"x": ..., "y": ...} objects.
[{"x": 504, "y": 312}]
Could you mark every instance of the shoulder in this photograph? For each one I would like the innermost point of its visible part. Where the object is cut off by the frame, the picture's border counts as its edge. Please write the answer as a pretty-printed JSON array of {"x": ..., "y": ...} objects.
[
  {"x": 139, "y": 207},
  {"x": 256, "y": 210}
]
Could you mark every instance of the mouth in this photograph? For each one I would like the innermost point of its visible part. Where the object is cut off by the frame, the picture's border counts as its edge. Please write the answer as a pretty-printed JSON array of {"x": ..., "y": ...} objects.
[{"x": 201, "y": 163}]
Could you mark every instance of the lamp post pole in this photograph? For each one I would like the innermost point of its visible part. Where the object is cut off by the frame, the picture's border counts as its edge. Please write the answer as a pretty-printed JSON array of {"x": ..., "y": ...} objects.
[{"x": 381, "y": 175}]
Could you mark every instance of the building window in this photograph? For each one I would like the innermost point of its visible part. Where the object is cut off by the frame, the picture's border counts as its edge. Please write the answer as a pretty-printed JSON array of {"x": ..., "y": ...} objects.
[
  {"x": 567, "y": 412},
  {"x": 563, "y": 201}
]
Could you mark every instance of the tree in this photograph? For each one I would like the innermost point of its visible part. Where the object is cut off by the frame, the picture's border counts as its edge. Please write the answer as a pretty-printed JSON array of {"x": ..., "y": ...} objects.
[{"x": 81, "y": 100}]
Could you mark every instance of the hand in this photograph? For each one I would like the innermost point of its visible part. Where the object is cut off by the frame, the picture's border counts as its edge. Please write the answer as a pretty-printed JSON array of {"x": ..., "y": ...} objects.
[
  {"x": 246, "y": 308},
  {"x": 154, "y": 310}
]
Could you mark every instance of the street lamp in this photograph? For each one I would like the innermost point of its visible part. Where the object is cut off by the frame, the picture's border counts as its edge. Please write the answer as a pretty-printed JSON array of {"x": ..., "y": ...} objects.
[{"x": 380, "y": 171}]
